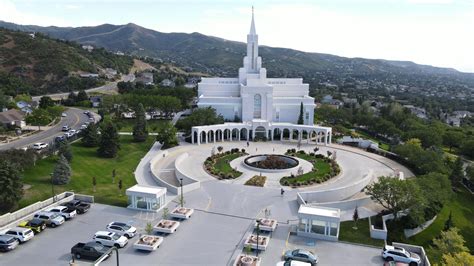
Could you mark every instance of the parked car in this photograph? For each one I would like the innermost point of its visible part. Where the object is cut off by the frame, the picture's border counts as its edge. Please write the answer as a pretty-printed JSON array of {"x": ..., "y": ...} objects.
[
  {"x": 91, "y": 119},
  {"x": 21, "y": 234},
  {"x": 86, "y": 112},
  {"x": 40, "y": 145},
  {"x": 72, "y": 131},
  {"x": 293, "y": 263},
  {"x": 301, "y": 255},
  {"x": 79, "y": 206},
  {"x": 110, "y": 239},
  {"x": 8, "y": 242},
  {"x": 63, "y": 114},
  {"x": 35, "y": 224},
  {"x": 65, "y": 128},
  {"x": 122, "y": 229},
  {"x": 83, "y": 126},
  {"x": 68, "y": 135},
  {"x": 391, "y": 253},
  {"x": 63, "y": 211},
  {"x": 50, "y": 218},
  {"x": 60, "y": 138},
  {"x": 90, "y": 250}
]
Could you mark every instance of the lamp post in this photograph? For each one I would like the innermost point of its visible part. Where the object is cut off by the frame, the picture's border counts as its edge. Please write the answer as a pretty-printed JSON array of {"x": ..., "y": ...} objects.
[
  {"x": 258, "y": 233},
  {"x": 182, "y": 196},
  {"x": 52, "y": 188}
]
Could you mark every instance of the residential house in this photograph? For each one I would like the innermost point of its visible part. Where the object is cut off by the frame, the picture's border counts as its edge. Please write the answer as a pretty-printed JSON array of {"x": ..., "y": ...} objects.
[
  {"x": 12, "y": 118},
  {"x": 88, "y": 47},
  {"x": 89, "y": 75},
  {"x": 418, "y": 111},
  {"x": 25, "y": 107},
  {"x": 167, "y": 83},
  {"x": 96, "y": 100},
  {"x": 145, "y": 78},
  {"x": 109, "y": 73}
]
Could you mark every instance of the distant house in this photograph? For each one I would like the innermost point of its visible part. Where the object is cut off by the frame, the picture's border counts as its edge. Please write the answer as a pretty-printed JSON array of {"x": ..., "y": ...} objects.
[
  {"x": 95, "y": 100},
  {"x": 89, "y": 75},
  {"x": 418, "y": 111},
  {"x": 167, "y": 83},
  {"x": 128, "y": 115},
  {"x": 119, "y": 53},
  {"x": 32, "y": 35},
  {"x": 25, "y": 107},
  {"x": 12, "y": 118},
  {"x": 109, "y": 73},
  {"x": 145, "y": 78},
  {"x": 88, "y": 47}
]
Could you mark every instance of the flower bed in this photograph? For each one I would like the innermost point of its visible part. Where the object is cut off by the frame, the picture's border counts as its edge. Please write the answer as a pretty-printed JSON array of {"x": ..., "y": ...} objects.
[
  {"x": 218, "y": 165},
  {"x": 324, "y": 168},
  {"x": 166, "y": 226},
  {"x": 182, "y": 213},
  {"x": 148, "y": 242},
  {"x": 246, "y": 260},
  {"x": 264, "y": 224},
  {"x": 252, "y": 241},
  {"x": 258, "y": 181}
]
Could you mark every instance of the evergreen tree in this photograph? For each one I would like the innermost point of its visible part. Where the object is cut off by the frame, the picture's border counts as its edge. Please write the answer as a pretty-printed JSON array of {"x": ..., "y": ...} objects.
[
  {"x": 90, "y": 136},
  {"x": 65, "y": 150},
  {"x": 82, "y": 96},
  {"x": 457, "y": 173},
  {"x": 300, "y": 118},
  {"x": 71, "y": 99},
  {"x": 11, "y": 187},
  {"x": 355, "y": 217},
  {"x": 94, "y": 183},
  {"x": 46, "y": 102},
  {"x": 120, "y": 186},
  {"x": 139, "y": 130},
  {"x": 109, "y": 141},
  {"x": 62, "y": 171}
]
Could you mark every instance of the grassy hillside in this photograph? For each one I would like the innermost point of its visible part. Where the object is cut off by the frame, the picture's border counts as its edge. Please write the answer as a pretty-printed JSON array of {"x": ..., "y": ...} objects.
[{"x": 41, "y": 64}]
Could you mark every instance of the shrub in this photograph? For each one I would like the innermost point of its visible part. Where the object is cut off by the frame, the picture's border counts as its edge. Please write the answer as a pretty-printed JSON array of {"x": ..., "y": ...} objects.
[
  {"x": 243, "y": 150},
  {"x": 311, "y": 153},
  {"x": 301, "y": 152}
]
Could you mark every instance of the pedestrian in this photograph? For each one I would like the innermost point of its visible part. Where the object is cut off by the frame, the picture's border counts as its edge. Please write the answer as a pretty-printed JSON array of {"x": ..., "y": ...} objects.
[
  {"x": 282, "y": 191},
  {"x": 248, "y": 143}
]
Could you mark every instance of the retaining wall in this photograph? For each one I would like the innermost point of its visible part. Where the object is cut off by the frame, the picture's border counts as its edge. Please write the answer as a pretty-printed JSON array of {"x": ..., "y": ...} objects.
[
  {"x": 189, "y": 183},
  {"x": 171, "y": 188},
  {"x": 417, "y": 249},
  {"x": 378, "y": 233},
  {"x": 336, "y": 194}
]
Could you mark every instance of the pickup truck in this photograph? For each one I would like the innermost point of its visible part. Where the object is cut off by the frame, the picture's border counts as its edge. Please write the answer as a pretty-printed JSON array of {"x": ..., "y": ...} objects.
[
  {"x": 79, "y": 206},
  {"x": 63, "y": 211},
  {"x": 90, "y": 250}
]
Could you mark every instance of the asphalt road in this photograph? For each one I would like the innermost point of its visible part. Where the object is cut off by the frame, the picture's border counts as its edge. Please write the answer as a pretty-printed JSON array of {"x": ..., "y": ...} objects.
[{"x": 75, "y": 118}]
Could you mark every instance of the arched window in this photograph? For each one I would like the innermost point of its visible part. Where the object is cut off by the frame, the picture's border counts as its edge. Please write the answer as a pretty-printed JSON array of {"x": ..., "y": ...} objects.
[{"x": 257, "y": 106}]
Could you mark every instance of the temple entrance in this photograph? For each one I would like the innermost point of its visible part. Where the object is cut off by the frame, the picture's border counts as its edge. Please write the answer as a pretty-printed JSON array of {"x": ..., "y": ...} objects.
[{"x": 260, "y": 133}]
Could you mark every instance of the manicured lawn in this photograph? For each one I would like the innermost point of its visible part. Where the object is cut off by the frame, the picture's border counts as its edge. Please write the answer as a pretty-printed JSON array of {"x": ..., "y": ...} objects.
[
  {"x": 85, "y": 165},
  {"x": 222, "y": 164},
  {"x": 361, "y": 235},
  {"x": 126, "y": 125},
  {"x": 323, "y": 168},
  {"x": 462, "y": 208}
]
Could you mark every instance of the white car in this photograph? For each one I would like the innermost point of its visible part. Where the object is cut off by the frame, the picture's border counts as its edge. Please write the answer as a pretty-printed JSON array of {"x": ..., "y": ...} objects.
[
  {"x": 110, "y": 239},
  {"x": 40, "y": 145},
  {"x": 83, "y": 126},
  {"x": 64, "y": 115},
  {"x": 20, "y": 233},
  {"x": 68, "y": 134},
  {"x": 63, "y": 211},
  {"x": 293, "y": 263},
  {"x": 122, "y": 229},
  {"x": 398, "y": 254}
]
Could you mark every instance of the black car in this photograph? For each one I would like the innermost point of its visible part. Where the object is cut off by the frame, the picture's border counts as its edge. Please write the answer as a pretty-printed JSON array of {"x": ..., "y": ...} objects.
[
  {"x": 35, "y": 224},
  {"x": 60, "y": 138},
  {"x": 90, "y": 250},
  {"x": 79, "y": 206}
]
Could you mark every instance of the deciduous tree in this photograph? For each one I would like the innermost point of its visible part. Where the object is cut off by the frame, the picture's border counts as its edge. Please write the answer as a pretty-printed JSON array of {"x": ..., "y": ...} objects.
[
  {"x": 140, "y": 132},
  {"x": 11, "y": 187},
  {"x": 46, "y": 102},
  {"x": 166, "y": 135},
  {"x": 450, "y": 242}
]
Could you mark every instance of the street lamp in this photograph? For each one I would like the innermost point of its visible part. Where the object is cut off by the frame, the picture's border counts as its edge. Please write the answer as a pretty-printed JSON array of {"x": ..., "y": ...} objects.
[
  {"x": 182, "y": 199},
  {"x": 258, "y": 233},
  {"x": 52, "y": 188}
]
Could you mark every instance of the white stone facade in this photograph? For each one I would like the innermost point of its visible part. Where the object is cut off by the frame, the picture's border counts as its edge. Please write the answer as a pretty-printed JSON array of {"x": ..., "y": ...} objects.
[{"x": 257, "y": 101}]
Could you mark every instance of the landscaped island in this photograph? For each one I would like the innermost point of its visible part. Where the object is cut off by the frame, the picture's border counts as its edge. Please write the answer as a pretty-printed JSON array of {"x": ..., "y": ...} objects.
[
  {"x": 218, "y": 165},
  {"x": 324, "y": 168},
  {"x": 271, "y": 161}
]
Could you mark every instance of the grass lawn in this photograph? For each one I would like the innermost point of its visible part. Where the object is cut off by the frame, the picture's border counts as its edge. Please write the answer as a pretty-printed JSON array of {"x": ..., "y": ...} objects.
[
  {"x": 222, "y": 164},
  {"x": 85, "y": 165},
  {"x": 126, "y": 125},
  {"x": 361, "y": 235},
  {"x": 323, "y": 169},
  {"x": 462, "y": 208},
  {"x": 383, "y": 145}
]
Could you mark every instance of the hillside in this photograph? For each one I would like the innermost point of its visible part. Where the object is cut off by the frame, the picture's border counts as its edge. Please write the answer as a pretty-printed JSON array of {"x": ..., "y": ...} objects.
[
  {"x": 218, "y": 56},
  {"x": 40, "y": 64}
]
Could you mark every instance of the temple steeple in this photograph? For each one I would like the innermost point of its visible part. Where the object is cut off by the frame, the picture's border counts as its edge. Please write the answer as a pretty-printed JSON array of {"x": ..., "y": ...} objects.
[
  {"x": 252, "y": 26},
  {"x": 252, "y": 48}
]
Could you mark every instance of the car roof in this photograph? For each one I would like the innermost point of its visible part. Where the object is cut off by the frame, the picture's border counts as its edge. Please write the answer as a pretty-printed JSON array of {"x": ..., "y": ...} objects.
[
  {"x": 104, "y": 233},
  {"x": 5, "y": 237},
  {"x": 18, "y": 229},
  {"x": 119, "y": 224}
]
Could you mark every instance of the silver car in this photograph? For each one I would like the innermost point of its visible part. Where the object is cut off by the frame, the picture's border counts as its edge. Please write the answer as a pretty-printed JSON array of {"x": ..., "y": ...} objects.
[{"x": 51, "y": 219}]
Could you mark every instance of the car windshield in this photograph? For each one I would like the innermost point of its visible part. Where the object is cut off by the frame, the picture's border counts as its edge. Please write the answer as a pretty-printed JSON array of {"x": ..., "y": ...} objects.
[
  {"x": 125, "y": 227},
  {"x": 54, "y": 216},
  {"x": 11, "y": 240},
  {"x": 115, "y": 237}
]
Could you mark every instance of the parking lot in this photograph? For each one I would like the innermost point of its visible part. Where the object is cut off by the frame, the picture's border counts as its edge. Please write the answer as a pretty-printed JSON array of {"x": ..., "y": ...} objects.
[{"x": 213, "y": 236}]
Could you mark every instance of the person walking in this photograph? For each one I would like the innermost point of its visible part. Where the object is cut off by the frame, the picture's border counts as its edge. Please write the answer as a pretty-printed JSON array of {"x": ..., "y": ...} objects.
[{"x": 282, "y": 191}]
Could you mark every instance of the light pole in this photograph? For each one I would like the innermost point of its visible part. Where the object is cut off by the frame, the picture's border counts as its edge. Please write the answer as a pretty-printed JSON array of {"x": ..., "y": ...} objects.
[
  {"x": 182, "y": 196},
  {"x": 258, "y": 233},
  {"x": 52, "y": 188}
]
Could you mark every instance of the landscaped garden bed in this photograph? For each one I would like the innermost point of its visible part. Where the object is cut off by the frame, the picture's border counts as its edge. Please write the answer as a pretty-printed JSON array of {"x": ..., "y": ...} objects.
[
  {"x": 247, "y": 260},
  {"x": 252, "y": 241},
  {"x": 182, "y": 213},
  {"x": 324, "y": 168},
  {"x": 148, "y": 242},
  {"x": 264, "y": 224},
  {"x": 218, "y": 165},
  {"x": 166, "y": 226},
  {"x": 257, "y": 181}
]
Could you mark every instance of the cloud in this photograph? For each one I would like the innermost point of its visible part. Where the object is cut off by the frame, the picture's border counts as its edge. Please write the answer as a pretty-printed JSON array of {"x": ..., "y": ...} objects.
[{"x": 9, "y": 13}]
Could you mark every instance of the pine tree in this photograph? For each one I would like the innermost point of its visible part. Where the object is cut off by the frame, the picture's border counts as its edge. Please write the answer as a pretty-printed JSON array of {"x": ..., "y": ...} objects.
[
  {"x": 62, "y": 172},
  {"x": 300, "y": 118},
  {"x": 120, "y": 186},
  {"x": 457, "y": 173},
  {"x": 11, "y": 187},
  {"x": 140, "y": 132},
  {"x": 82, "y": 96},
  {"x": 355, "y": 217},
  {"x": 65, "y": 150},
  {"x": 94, "y": 182},
  {"x": 90, "y": 136},
  {"x": 109, "y": 141}
]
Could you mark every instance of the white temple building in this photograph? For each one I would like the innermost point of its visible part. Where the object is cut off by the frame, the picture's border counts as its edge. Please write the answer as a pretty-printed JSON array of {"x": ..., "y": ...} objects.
[{"x": 268, "y": 108}]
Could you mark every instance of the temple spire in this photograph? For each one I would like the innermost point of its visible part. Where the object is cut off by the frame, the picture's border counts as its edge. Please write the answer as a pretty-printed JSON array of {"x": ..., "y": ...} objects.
[{"x": 252, "y": 26}]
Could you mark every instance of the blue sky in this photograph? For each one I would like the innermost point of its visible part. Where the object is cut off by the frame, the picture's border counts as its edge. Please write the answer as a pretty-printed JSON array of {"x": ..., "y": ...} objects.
[{"x": 435, "y": 32}]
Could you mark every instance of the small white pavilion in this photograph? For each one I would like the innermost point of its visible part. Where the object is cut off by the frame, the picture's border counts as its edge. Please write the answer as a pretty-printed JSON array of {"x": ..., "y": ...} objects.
[
  {"x": 319, "y": 222},
  {"x": 146, "y": 198}
]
